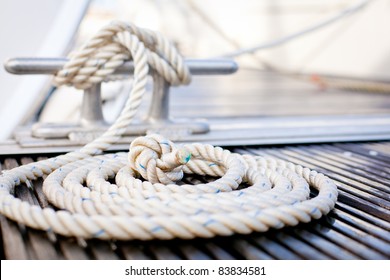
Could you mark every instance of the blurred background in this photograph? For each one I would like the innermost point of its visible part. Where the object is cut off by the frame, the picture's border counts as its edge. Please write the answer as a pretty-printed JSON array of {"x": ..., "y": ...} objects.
[{"x": 356, "y": 45}]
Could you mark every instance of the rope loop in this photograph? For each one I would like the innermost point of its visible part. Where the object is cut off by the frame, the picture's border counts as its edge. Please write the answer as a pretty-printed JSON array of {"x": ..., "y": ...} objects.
[{"x": 111, "y": 47}]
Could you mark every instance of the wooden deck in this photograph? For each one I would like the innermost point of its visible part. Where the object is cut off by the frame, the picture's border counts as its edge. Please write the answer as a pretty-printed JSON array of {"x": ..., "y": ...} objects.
[{"x": 358, "y": 228}]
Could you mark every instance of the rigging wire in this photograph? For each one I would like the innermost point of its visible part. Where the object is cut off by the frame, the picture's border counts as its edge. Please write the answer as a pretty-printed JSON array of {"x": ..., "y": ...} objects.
[
  {"x": 280, "y": 41},
  {"x": 323, "y": 81}
]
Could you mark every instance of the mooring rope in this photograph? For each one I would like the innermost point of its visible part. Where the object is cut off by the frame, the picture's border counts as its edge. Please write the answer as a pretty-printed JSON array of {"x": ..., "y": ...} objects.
[{"x": 140, "y": 195}]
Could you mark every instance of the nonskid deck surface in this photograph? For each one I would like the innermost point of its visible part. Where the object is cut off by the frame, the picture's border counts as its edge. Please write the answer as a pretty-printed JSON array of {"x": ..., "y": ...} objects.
[{"x": 358, "y": 228}]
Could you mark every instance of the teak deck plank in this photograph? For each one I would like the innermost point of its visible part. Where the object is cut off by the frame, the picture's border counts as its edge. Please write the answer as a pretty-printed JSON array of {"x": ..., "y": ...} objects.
[{"x": 357, "y": 229}]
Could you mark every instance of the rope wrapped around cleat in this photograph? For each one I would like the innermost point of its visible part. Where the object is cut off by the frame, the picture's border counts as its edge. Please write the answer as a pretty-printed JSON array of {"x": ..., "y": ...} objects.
[{"x": 141, "y": 194}]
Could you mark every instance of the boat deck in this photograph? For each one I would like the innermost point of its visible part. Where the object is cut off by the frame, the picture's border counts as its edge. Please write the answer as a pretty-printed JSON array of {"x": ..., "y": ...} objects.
[{"x": 357, "y": 229}]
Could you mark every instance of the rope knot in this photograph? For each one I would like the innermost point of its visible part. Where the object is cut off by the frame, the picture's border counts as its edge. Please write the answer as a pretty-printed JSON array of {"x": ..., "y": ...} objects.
[{"x": 157, "y": 159}]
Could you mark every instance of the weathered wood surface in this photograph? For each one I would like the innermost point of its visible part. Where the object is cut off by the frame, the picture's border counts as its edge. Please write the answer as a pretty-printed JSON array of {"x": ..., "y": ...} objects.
[{"x": 357, "y": 229}]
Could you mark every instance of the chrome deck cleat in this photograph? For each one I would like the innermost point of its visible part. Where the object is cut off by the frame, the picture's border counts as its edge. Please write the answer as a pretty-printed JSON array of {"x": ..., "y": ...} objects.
[{"x": 92, "y": 122}]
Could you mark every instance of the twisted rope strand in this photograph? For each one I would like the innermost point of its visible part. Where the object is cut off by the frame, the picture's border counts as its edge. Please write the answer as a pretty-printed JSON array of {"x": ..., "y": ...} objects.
[{"x": 146, "y": 201}]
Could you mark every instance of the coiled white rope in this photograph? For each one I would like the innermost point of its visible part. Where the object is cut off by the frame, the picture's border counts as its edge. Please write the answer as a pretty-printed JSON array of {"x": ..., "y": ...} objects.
[{"x": 145, "y": 202}]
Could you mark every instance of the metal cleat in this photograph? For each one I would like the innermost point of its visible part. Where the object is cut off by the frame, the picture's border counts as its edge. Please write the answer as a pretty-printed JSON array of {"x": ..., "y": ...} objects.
[{"x": 92, "y": 121}]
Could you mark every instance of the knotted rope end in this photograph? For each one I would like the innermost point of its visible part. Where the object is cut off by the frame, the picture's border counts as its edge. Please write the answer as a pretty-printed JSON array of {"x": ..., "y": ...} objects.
[{"x": 157, "y": 160}]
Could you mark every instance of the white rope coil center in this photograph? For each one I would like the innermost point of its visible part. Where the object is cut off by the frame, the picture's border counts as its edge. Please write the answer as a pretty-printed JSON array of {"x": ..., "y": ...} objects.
[{"x": 140, "y": 195}]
